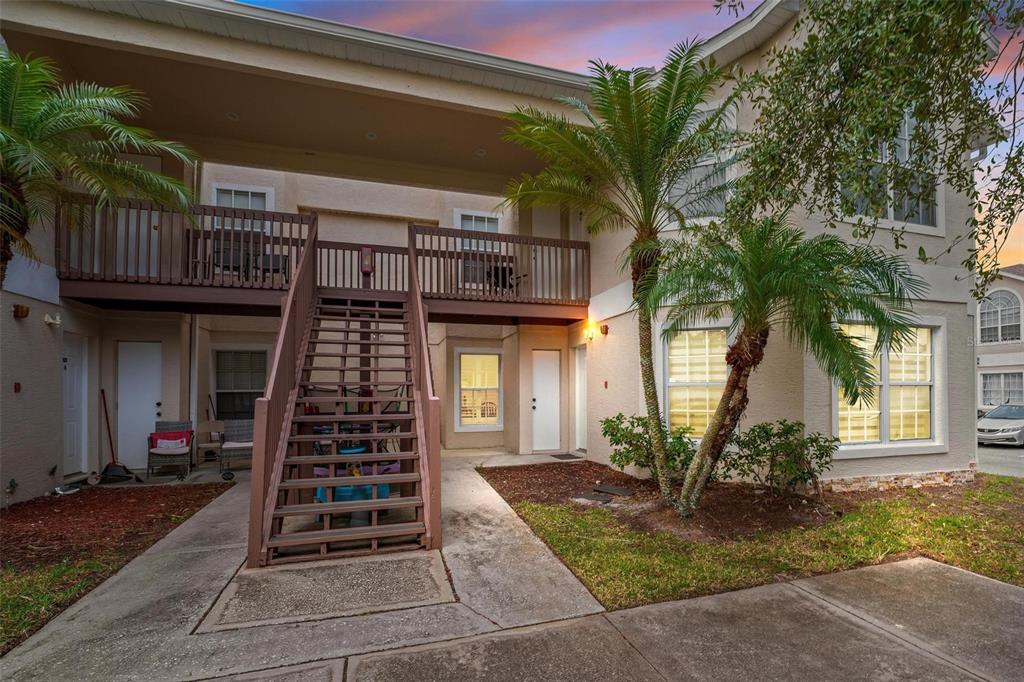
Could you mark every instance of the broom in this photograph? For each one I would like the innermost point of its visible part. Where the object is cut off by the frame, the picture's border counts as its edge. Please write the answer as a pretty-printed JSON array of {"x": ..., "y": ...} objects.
[{"x": 114, "y": 472}]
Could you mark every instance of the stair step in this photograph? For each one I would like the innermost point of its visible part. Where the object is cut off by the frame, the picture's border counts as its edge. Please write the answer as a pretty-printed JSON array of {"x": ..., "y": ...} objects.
[
  {"x": 343, "y": 534},
  {"x": 395, "y": 307},
  {"x": 329, "y": 418},
  {"x": 325, "y": 313},
  {"x": 335, "y": 437},
  {"x": 355, "y": 330},
  {"x": 349, "y": 506},
  {"x": 355, "y": 368},
  {"x": 334, "y": 481},
  {"x": 349, "y": 459},
  {"x": 359, "y": 342},
  {"x": 355, "y": 383},
  {"x": 355, "y": 399},
  {"x": 318, "y": 354}
]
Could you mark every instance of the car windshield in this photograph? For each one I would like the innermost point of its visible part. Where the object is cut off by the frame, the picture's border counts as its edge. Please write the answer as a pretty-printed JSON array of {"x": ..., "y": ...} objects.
[{"x": 1006, "y": 412}]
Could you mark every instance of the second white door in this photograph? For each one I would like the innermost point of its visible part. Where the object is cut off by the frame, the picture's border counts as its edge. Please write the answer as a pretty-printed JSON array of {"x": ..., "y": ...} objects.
[
  {"x": 138, "y": 399},
  {"x": 75, "y": 400},
  {"x": 546, "y": 402}
]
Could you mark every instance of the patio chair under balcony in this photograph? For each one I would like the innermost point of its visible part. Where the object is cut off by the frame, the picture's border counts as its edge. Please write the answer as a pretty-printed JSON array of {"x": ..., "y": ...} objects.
[
  {"x": 236, "y": 444},
  {"x": 171, "y": 445}
]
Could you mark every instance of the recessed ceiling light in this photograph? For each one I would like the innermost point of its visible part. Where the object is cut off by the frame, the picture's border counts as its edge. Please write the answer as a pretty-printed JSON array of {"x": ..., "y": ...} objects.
[
  {"x": 232, "y": 116},
  {"x": 371, "y": 136},
  {"x": 480, "y": 151}
]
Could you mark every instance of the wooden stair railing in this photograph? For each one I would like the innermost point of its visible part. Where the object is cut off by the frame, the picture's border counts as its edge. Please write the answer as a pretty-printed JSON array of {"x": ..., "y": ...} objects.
[
  {"x": 273, "y": 410},
  {"x": 427, "y": 405}
]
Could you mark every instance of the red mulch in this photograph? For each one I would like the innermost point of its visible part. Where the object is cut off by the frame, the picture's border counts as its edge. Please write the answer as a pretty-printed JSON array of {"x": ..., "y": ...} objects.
[
  {"x": 727, "y": 510},
  {"x": 97, "y": 521}
]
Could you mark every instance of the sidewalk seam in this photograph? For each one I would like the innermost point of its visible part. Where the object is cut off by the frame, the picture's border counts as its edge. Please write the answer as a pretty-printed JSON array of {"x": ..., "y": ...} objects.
[
  {"x": 633, "y": 646},
  {"x": 919, "y": 645}
]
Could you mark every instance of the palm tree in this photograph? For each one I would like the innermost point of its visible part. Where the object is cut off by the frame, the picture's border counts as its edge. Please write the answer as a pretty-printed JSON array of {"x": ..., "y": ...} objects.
[
  {"x": 56, "y": 138},
  {"x": 768, "y": 276},
  {"x": 631, "y": 167}
]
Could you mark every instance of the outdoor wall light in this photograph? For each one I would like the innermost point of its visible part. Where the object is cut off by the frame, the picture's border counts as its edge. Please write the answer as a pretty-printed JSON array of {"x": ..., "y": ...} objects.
[
  {"x": 52, "y": 320},
  {"x": 589, "y": 330}
]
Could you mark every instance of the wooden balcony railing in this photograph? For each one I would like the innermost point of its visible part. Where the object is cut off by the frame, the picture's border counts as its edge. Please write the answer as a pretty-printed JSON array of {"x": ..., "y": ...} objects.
[
  {"x": 138, "y": 241},
  {"x": 272, "y": 413},
  {"x": 487, "y": 266},
  {"x": 360, "y": 266}
]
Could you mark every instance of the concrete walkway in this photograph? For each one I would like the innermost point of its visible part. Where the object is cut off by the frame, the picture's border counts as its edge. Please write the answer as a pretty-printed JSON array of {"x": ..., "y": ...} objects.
[{"x": 513, "y": 611}]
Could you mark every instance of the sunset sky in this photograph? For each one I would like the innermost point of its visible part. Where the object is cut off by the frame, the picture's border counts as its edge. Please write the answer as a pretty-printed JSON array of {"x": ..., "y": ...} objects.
[{"x": 559, "y": 33}]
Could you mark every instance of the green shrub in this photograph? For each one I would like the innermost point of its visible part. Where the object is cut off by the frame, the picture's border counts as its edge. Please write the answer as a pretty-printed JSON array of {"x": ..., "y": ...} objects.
[
  {"x": 631, "y": 445},
  {"x": 778, "y": 456}
]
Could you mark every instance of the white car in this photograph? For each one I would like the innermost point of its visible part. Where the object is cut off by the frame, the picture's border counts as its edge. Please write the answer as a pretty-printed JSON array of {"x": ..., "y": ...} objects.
[{"x": 1003, "y": 425}]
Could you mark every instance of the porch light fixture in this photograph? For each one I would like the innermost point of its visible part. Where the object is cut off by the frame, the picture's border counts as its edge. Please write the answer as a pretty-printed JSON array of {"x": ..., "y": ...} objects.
[
  {"x": 589, "y": 331},
  {"x": 480, "y": 151},
  {"x": 232, "y": 116},
  {"x": 371, "y": 136},
  {"x": 366, "y": 260}
]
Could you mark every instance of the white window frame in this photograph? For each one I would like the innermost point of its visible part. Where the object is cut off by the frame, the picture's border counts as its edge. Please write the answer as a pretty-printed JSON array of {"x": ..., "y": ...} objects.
[
  {"x": 267, "y": 191},
  {"x": 457, "y": 389},
  {"x": 1020, "y": 309},
  {"x": 731, "y": 172},
  {"x": 702, "y": 325},
  {"x": 467, "y": 246},
  {"x": 890, "y": 223},
  {"x": 238, "y": 348},
  {"x": 939, "y": 406},
  {"x": 999, "y": 372}
]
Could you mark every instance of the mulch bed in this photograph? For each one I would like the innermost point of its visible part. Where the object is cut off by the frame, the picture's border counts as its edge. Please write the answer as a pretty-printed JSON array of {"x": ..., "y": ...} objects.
[
  {"x": 727, "y": 511},
  {"x": 96, "y": 521}
]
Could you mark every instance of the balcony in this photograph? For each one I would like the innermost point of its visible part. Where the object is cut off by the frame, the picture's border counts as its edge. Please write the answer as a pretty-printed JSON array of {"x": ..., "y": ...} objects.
[{"x": 233, "y": 260}]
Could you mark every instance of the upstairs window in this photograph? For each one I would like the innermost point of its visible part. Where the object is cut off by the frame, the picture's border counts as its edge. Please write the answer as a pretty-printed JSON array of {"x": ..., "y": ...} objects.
[
  {"x": 473, "y": 264},
  {"x": 999, "y": 317},
  {"x": 251, "y": 200},
  {"x": 918, "y": 207}
]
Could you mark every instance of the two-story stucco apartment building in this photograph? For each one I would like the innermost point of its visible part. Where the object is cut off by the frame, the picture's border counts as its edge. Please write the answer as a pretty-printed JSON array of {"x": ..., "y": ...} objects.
[
  {"x": 1000, "y": 348},
  {"x": 349, "y": 263}
]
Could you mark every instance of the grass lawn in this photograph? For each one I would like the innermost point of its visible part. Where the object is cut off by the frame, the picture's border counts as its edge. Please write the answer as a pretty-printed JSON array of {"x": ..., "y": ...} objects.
[
  {"x": 55, "y": 550},
  {"x": 979, "y": 527}
]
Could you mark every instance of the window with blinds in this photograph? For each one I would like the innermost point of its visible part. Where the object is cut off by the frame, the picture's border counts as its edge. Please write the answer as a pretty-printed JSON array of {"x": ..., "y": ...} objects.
[
  {"x": 903, "y": 404},
  {"x": 479, "y": 394},
  {"x": 241, "y": 377},
  {"x": 696, "y": 373}
]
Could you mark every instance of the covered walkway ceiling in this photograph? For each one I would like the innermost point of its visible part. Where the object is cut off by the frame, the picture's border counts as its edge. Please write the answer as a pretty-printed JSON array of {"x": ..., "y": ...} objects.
[{"x": 265, "y": 98}]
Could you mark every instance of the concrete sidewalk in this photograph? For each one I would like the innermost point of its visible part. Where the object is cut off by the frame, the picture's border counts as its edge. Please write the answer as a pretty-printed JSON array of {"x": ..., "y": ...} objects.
[{"x": 511, "y": 611}]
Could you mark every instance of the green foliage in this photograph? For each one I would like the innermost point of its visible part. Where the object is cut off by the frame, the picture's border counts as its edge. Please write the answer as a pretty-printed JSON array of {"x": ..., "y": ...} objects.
[
  {"x": 770, "y": 276},
  {"x": 631, "y": 445},
  {"x": 624, "y": 567},
  {"x": 778, "y": 456},
  {"x": 831, "y": 104},
  {"x": 57, "y": 136}
]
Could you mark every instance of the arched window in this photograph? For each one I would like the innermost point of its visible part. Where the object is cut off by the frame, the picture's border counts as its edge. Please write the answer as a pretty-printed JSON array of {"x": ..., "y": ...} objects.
[{"x": 1000, "y": 317}]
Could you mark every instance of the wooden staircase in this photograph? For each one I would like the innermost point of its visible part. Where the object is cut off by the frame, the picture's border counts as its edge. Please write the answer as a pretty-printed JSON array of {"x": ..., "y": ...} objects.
[{"x": 350, "y": 480}]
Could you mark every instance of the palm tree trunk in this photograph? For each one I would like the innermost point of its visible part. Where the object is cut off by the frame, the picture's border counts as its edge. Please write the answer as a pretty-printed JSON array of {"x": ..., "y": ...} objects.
[
  {"x": 743, "y": 358},
  {"x": 650, "y": 387},
  {"x": 641, "y": 268}
]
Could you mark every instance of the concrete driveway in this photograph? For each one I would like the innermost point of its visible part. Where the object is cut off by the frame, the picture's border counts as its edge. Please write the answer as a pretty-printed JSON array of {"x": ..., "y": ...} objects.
[
  {"x": 495, "y": 604},
  {"x": 1001, "y": 459}
]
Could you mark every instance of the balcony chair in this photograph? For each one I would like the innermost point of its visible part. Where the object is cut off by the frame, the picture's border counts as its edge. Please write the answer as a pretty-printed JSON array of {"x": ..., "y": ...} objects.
[
  {"x": 180, "y": 456},
  {"x": 236, "y": 443}
]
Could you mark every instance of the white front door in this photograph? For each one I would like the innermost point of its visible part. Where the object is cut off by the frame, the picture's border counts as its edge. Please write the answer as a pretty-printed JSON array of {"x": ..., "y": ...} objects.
[
  {"x": 546, "y": 401},
  {"x": 581, "y": 398},
  {"x": 138, "y": 399},
  {"x": 75, "y": 387}
]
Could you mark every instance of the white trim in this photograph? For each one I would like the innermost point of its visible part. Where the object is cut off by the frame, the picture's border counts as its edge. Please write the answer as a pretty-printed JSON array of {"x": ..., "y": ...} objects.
[
  {"x": 457, "y": 388},
  {"x": 1020, "y": 309},
  {"x": 268, "y": 191},
  {"x": 240, "y": 347},
  {"x": 458, "y": 213},
  {"x": 939, "y": 442}
]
